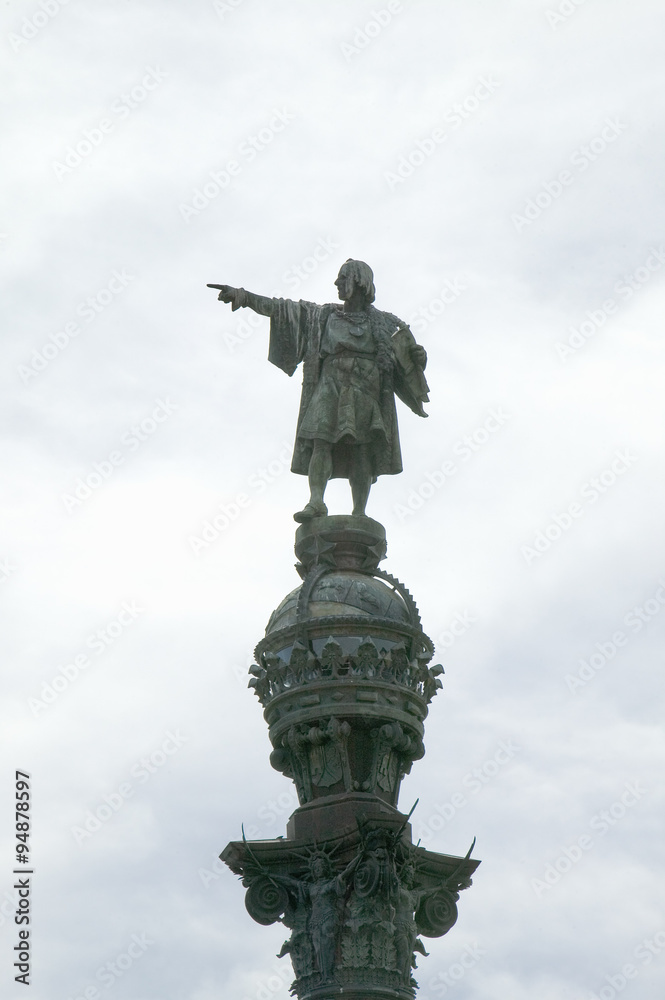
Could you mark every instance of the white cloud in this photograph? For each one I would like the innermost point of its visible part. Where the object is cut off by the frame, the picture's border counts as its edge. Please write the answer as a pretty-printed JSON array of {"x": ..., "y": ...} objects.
[{"x": 323, "y": 178}]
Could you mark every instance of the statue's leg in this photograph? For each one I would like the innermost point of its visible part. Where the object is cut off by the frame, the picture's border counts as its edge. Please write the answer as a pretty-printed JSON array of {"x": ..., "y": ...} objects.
[
  {"x": 327, "y": 950},
  {"x": 360, "y": 478},
  {"x": 319, "y": 472}
]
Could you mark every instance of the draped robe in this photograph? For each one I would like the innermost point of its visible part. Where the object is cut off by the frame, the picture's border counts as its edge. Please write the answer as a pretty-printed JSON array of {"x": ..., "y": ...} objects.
[{"x": 296, "y": 332}]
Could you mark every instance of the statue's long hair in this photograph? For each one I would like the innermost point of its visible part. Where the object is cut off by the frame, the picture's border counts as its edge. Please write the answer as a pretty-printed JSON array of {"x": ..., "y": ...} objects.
[{"x": 363, "y": 277}]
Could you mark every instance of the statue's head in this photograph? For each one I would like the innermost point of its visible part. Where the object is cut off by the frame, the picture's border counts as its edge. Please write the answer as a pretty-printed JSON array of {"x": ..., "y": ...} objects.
[
  {"x": 408, "y": 875},
  {"x": 355, "y": 274},
  {"x": 320, "y": 865}
]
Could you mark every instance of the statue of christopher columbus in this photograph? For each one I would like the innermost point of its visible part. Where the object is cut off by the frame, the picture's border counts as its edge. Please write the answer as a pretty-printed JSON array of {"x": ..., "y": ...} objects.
[{"x": 355, "y": 358}]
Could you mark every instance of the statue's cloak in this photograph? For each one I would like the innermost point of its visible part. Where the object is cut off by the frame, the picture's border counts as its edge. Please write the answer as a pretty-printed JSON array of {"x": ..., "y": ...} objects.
[{"x": 296, "y": 329}]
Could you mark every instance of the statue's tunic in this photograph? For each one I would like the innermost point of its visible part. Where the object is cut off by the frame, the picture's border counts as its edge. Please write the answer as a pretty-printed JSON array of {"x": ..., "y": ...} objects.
[{"x": 350, "y": 376}]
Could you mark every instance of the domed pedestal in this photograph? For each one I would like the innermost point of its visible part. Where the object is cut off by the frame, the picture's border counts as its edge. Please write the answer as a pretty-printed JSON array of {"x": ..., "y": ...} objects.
[
  {"x": 342, "y": 671},
  {"x": 342, "y": 540},
  {"x": 344, "y": 679}
]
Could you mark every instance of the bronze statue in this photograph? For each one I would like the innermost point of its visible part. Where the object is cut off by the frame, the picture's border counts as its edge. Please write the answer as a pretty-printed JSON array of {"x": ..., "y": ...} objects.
[
  {"x": 407, "y": 941},
  {"x": 355, "y": 359},
  {"x": 343, "y": 672},
  {"x": 321, "y": 894}
]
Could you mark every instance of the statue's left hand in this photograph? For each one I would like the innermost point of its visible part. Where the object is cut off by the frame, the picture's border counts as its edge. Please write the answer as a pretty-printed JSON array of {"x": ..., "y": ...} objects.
[{"x": 419, "y": 356}]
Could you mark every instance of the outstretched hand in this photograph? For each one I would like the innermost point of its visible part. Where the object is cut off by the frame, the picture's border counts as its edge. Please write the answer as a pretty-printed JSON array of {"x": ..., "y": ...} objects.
[{"x": 227, "y": 293}]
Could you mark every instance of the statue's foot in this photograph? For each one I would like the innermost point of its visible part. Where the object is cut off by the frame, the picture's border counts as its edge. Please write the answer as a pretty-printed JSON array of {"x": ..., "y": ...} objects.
[{"x": 311, "y": 510}]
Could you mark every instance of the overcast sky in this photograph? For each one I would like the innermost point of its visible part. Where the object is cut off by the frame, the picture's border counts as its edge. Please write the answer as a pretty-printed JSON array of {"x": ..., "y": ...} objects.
[{"x": 500, "y": 167}]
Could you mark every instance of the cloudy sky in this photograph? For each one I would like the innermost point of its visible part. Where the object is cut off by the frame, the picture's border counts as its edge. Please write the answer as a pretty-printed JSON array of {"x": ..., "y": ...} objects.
[{"x": 500, "y": 166}]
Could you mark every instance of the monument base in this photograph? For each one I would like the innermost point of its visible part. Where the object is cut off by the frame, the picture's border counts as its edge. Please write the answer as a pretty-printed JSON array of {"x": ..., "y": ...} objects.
[
  {"x": 355, "y": 900},
  {"x": 343, "y": 677}
]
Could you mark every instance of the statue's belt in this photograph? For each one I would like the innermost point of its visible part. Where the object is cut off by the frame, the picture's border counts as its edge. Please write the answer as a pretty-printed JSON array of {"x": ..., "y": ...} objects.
[{"x": 368, "y": 355}]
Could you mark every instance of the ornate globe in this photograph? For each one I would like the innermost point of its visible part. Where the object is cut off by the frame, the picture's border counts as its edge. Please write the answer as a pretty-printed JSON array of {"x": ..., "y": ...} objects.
[{"x": 342, "y": 670}]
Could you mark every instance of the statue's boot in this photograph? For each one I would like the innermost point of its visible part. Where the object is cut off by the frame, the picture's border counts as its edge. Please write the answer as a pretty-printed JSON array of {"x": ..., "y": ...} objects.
[{"x": 311, "y": 510}]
